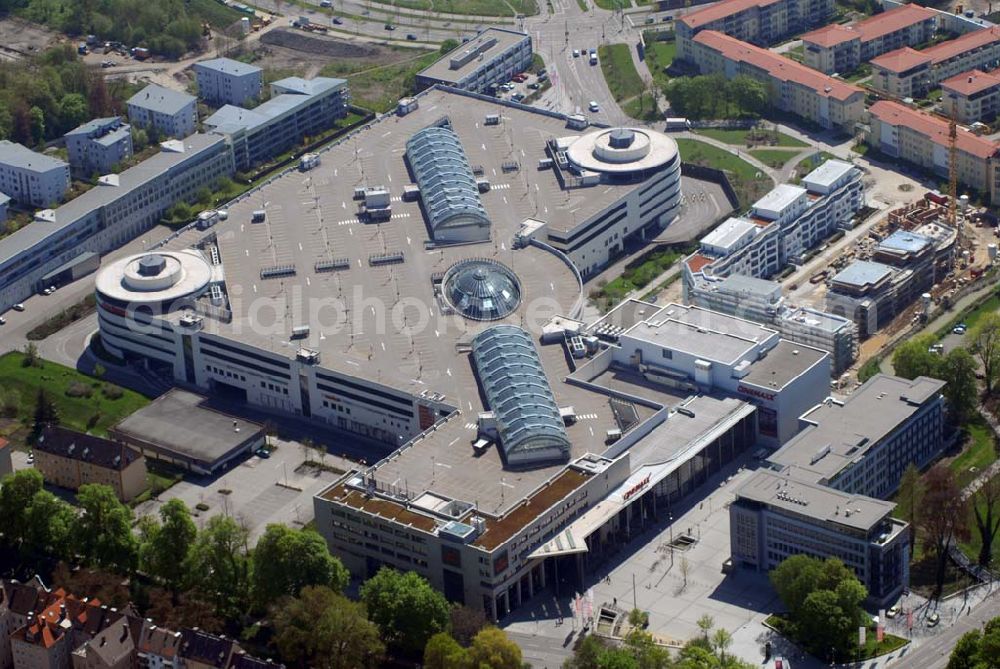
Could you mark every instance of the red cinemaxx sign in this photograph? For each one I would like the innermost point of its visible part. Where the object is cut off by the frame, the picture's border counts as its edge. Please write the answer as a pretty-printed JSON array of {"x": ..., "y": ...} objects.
[
  {"x": 756, "y": 393},
  {"x": 636, "y": 488}
]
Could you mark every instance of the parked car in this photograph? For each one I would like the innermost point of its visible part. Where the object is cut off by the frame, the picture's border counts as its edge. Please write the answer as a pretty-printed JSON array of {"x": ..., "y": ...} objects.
[
  {"x": 338, "y": 21},
  {"x": 263, "y": 453},
  {"x": 576, "y": 53},
  {"x": 960, "y": 329},
  {"x": 534, "y": 86},
  {"x": 411, "y": 37},
  {"x": 3, "y": 321},
  {"x": 18, "y": 307},
  {"x": 933, "y": 619},
  {"x": 517, "y": 97},
  {"x": 892, "y": 612},
  {"x": 389, "y": 26},
  {"x": 594, "y": 106},
  {"x": 46, "y": 291}
]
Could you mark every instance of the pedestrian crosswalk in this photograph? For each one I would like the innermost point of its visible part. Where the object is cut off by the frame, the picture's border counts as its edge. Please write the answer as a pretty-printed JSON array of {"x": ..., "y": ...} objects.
[
  {"x": 355, "y": 221},
  {"x": 586, "y": 416},
  {"x": 499, "y": 186},
  {"x": 471, "y": 426}
]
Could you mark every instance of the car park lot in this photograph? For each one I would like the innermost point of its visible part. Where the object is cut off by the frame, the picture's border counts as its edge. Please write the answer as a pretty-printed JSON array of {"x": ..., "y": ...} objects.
[{"x": 275, "y": 489}]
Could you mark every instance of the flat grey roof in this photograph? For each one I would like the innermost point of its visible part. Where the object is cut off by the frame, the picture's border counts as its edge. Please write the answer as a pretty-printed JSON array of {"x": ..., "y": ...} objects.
[
  {"x": 815, "y": 318},
  {"x": 793, "y": 495},
  {"x": 783, "y": 364},
  {"x": 313, "y": 86},
  {"x": 862, "y": 273},
  {"x": 159, "y": 99},
  {"x": 441, "y": 69},
  {"x": 180, "y": 421},
  {"x": 702, "y": 333},
  {"x": 827, "y": 174},
  {"x": 852, "y": 428},
  {"x": 93, "y": 125},
  {"x": 727, "y": 234},
  {"x": 750, "y": 285},
  {"x": 228, "y": 66},
  {"x": 780, "y": 197},
  {"x": 24, "y": 158},
  {"x": 102, "y": 194}
]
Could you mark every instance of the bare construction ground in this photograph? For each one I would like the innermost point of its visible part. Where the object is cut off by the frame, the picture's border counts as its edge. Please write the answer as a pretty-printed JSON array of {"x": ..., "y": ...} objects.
[
  {"x": 19, "y": 38},
  {"x": 305, "y": 53}
]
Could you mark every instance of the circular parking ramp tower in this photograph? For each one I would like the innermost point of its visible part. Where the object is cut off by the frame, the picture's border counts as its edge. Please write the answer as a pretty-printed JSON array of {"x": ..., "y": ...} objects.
[
  {"x": 481, "y": 289},
  {"x": 529, "y": 426}
]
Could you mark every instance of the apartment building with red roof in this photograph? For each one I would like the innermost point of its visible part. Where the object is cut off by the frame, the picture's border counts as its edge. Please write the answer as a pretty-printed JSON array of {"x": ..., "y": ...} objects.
[
  {"x": 838, "y": 48},
  {"x": 906, "y": 72},
  {"x": 792, "y": 87},
  {"x": 923, "y": 139},
  {"x": 760, "y": 22},
  {"x": 972, "y": 96}
]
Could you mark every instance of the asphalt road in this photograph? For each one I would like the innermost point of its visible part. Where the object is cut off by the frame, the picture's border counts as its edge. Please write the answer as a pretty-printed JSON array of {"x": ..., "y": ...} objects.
[{"x": 932, "y": 653}]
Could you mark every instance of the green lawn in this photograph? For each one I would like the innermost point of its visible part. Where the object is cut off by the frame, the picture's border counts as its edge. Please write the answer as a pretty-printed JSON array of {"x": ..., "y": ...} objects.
[
  {"x": 380, "y": 88},
  {"x": 872, "y": 649},
  {"x": 978, "y": 453},
  {"x": 613, "y": 4},
  {"x": 773, "y": 157},
  {"x": 619, "y": 71},
  {"x": 738, "y": 137},
  {"x": 477, "y": 7},
  {"x": 974, "y": 544},
  {"x": 659, "y": 56},
  {"x": 74, "y": 412},
  {"x": 214, "y": 12},
  {"x": 693, "y": 151},
  {"x": 634, "y": 277},
  {"x": 643, "y": 107}
]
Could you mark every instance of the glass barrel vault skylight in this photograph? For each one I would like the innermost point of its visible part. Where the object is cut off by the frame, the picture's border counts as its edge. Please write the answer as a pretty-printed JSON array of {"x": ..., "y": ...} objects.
[
  {"x": 528, "y": 422},
  {"x": 448, "y": 188}
]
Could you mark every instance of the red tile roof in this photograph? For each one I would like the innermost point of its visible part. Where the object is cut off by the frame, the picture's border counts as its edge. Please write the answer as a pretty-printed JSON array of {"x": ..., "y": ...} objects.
[
  {"x": 3, "y": 443},
  {"x": 777, "y": 66},
  {"x": 831, "y": 35},
  {"x": 934, "y": 128},
  {"x": 895, "y": 19},
  {"x": 905, "y": 58},
  {"x": 901, "y": 60},
  {"x": 967, "y": 42},
  {"x": 971, "y": 82},
  {"x": 721, "y": 11}
]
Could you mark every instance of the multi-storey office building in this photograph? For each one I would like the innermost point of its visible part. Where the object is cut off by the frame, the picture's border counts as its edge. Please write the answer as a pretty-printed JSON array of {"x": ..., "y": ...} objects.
[
  {"x": 225, "y": 81},
  {"x": 906, "y": 72},
  {"x": 99, "y": 145},
  {"x": 170, "y": 112},
  {"x": 118, "y": 209},
  {"x": 791, "y": 86},
  {"x": 298, "y": 108},
  {"x": 924, "y": 139},
  {"x": 839, "y": 48},
  {"x": 492, "y": 57},
  {"x": 776, "y": 516},
  {"x": 862, "y": 445},
  {"x": 971, "y": 97},
  {"x": 33, "y": 179},
  {"x": 760, "y": 22},
  {"x": 871, "y": 294}
]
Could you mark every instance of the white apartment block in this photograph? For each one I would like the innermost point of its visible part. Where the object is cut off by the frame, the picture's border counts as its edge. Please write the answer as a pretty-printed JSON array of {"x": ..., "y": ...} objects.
[
  {"x": 170, "y": 112},
  {"x": 115, "y": 211},
  {"x": 32, "y": 179},
  {"x": 99, "y": 145},
  {"x": 493, "y": 56},
  {"x": 225, "y": 81}
]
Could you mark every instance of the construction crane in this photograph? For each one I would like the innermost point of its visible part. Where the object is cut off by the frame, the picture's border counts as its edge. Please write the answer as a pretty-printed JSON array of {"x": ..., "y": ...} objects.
[{"x": 953, "y": 221}]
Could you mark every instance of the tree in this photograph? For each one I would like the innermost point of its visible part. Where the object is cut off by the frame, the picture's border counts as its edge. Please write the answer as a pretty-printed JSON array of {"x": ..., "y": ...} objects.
[
  {"x": 958, "y": 371},
  {"x": 721, "y": 641},
  {"x": 16, "y": 493},
  {"x": 50, "y": 523},
  {"x": 984, "y": 340},
  {"x": 465, "y": 623},
  {"x": 824, "y": 599},
  {"x": 910, "y": 498},
  {"x": 104, "y": 530},
  {"x": 986, "y": 513},
  {"x": 287, "y": 560},
  {"x": 31, "y": 358},
  {"x": 748, "y": 94},
  {"x": 45, "y": 414},
  {"x": 914, "y": 358},
  {"x": 166, "y": 552},
  {"x": 491, "y": 648},
  {"x": 37, "y": 119},
  {"x": 705, "y": 624},
  {"x": 945, "y": 516},
  {"x": 322, "y": 628},
  {"x": 444, "y": 652},
  {"x": 965, "y": 654},
  {"x": 407, "y": 610},
  {"x": 220, "y": 565},
  {"x": 448, "y": 45},
  {"x": 587, "y": 654},
  {"x": 72, "y": 110},
  {"x": 640, "y": 645}
]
